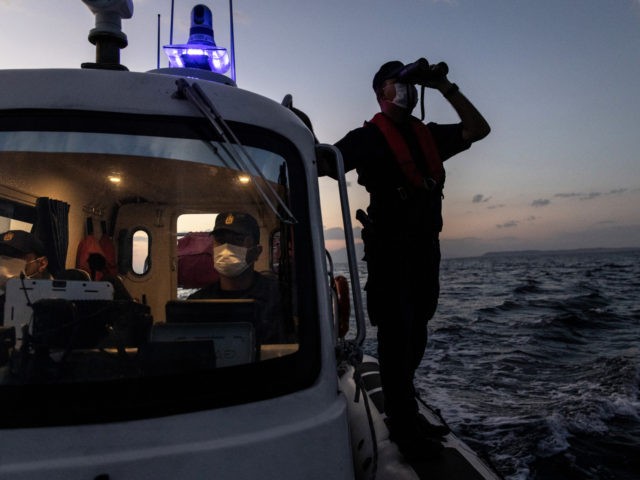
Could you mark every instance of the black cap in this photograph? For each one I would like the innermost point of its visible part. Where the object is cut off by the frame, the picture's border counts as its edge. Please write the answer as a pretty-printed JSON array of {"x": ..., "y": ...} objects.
[
  {"x": 237, "y": 222},
  {"x": 387, "y": 71},
  {"x": 16, "y": 243}
]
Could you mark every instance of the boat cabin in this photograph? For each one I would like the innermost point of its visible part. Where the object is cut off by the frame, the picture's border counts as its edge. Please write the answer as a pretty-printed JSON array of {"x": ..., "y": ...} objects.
[{"x": 122, "y": 178}]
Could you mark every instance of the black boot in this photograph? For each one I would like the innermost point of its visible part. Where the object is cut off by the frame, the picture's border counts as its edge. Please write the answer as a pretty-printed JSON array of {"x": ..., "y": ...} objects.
[
  {"x": 429, "y": 429},
  {"x": 412, "y": 442}
]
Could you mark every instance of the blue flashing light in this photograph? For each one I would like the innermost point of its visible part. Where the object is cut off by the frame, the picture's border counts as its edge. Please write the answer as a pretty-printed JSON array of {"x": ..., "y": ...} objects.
[
  {"x": 214, "y": 59},
  {"x": 201, "y": 51}
]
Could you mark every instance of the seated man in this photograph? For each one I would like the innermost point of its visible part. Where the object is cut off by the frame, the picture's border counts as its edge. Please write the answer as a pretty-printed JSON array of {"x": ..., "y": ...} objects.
[
  {"x": 236, "y": 238},
  {"x": 20, "y": 253}
]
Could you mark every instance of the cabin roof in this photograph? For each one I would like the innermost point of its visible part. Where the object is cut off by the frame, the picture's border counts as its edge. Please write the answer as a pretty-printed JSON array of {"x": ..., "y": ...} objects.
[{"x": 141, "y": 93}]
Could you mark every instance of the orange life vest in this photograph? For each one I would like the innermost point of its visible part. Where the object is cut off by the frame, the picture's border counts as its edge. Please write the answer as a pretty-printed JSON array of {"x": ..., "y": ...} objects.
[{"x": 402, "y": 154}]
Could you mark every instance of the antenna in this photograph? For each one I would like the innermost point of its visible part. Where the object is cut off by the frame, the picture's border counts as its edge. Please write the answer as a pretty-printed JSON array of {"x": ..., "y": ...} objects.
[
  {"x": 158, "y": 49},
  {"x": 232, "y": 47},
  {"x": 171, "y": 24}
]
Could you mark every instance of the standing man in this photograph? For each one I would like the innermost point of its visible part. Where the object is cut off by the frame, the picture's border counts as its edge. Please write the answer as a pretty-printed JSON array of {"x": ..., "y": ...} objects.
[{"x": 399, "y": 161}]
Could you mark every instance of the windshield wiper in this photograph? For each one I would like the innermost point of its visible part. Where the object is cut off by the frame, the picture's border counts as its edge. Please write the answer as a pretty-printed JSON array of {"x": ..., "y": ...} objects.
[{"x": 236, "y": 151}]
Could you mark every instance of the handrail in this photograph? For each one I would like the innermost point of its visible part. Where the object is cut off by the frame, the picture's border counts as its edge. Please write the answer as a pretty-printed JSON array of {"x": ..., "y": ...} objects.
[{"x": 350, "y": 243}]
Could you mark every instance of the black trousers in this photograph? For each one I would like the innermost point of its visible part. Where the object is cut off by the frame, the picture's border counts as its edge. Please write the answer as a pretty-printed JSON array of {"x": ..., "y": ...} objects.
[{"x": 402, "y": 295}]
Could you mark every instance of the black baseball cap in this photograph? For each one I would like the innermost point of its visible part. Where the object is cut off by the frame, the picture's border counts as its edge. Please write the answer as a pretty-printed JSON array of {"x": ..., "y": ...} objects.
[
  {"x": 387, "y": 71},
  {"x": 16, "y": 243},
  {"x": 237, "y": 222}
]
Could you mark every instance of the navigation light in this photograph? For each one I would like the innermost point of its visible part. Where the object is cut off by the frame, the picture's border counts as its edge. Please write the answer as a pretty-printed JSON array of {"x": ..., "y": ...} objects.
[{"x": 201, "y": 50}]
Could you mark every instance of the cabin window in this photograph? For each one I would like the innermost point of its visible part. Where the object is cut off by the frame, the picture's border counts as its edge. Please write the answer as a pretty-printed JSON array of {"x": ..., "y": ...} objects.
[
  {"x": 136, "y": 342},
  {"x": 140, "y": 252},
  {"x": 15, "y": 215},
  {"x": 194, "y": 245}
]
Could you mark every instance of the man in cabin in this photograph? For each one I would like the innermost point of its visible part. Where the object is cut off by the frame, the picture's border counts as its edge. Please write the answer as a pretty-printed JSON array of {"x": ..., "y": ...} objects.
[
  {"x": 399, "y": 161},
  {"x": 21, "y": 253},
  {"x": 236, "y": 248}
]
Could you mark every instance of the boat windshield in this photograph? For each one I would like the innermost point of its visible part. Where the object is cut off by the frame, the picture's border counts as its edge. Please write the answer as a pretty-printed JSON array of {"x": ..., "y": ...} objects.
[{"x": 127, "y": 306}]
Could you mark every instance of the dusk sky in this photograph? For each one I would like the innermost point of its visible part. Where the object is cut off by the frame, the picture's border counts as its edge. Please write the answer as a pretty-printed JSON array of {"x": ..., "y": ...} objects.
[{"x": 557, "y": 80}]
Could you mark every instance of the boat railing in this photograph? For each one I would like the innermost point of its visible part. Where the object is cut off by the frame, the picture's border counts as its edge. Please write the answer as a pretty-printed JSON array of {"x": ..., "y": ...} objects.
[{"x": 326, "y": 151}]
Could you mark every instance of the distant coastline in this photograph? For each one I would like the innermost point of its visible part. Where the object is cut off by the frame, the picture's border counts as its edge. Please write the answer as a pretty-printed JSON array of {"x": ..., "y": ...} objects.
[
  {"x": 340, "y": 255},
  {"x": 575, "y": 251}
]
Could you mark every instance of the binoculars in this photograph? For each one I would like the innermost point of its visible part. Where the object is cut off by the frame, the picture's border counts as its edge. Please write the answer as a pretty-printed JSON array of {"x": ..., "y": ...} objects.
[{"x": 420, "y": 72}]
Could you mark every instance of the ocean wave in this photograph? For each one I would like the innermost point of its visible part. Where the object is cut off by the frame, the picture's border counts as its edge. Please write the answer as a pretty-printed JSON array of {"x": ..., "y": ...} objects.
[
  {"x": 506, "y": 306},
  {"x": 537, "y": 360},
  {"x": 557, "y": 438},
  {"x": 532, "y": 286}
]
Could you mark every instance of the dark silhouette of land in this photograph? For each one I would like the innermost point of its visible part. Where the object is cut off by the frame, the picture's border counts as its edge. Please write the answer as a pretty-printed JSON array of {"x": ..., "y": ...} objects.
[{"x": 576, "y": 251}]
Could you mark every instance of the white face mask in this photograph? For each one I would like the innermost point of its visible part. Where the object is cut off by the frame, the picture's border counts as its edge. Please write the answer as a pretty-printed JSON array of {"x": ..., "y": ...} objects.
[
  {"x": 406, "y": 96},
  {"x": 230, "y": 260},
  {"x": 10, "y": 267}
]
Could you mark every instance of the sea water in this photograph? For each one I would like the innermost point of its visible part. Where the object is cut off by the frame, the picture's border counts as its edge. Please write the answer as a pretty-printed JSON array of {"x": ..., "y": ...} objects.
[{"x": 535, "y": 360}]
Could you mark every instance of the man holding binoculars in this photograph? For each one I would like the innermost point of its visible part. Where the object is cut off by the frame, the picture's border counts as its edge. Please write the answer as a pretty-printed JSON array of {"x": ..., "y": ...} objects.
[{"x": 399, "y": 160}]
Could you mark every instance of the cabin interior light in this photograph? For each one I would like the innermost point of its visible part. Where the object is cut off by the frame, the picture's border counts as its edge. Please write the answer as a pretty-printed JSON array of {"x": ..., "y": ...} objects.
[
  {"x": 244, "y": 179},
  {"x": 115, "y": 178},
  {"x": 201, "y": 50}
]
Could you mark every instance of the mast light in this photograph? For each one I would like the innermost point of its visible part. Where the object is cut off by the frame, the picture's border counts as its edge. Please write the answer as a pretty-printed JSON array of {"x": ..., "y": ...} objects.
[{"x": 201, "y": 50}]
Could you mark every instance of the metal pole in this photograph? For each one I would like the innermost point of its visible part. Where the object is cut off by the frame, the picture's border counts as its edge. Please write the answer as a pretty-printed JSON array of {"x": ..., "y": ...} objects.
[
  {"x": 158, "y": 52},
  {"x": 171, "y": 25},
  {"x": 356, "y": 292},
  {"x": 232, "y": 48}
]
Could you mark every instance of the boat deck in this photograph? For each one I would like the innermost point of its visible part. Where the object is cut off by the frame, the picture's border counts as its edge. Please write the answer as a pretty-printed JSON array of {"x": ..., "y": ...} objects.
[{"x": 456, "y": 461}]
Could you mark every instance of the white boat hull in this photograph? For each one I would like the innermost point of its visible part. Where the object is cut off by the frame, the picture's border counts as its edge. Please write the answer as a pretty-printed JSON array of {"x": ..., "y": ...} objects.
[{"x": 375, "y": 456}]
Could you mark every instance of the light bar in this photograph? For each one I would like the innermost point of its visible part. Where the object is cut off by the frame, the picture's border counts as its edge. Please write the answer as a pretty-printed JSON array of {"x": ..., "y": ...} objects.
[
  {"x": 201, "y": 50},
  {"x": 215, "y": 59}
]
